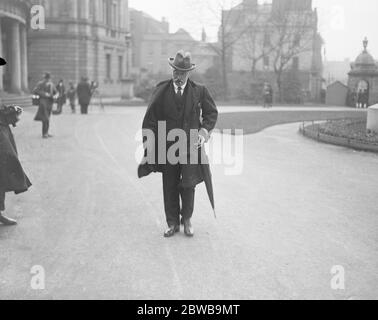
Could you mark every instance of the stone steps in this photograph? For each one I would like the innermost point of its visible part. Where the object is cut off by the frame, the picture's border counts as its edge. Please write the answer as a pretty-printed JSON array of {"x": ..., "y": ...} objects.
[{"x": 23, "y": 101}]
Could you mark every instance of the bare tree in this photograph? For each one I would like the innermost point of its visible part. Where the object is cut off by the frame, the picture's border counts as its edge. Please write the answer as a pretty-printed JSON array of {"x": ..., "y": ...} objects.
[
  {"x": 293, "y": 35},
  {"x": 282, "y": 35},
  {"x": 254, "y": 46},
  {"x": 243, "y": 27},
  {"x": 229, "y": 33},
  {"x": 230, "y": 30}
]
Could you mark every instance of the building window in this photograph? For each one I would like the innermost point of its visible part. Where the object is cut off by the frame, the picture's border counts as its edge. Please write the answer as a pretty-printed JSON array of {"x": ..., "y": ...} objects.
[
  {"x": 297, "y": 40},
  {"x": 91, "y": 10},
  {"x": 79, "y": 9},
  {"x": 266, "y": 62},
  {"x": 107, "y": 11},
  {"x": 114, "y": 15},
  {"x": 65, "y": 8},
  {"x": 104, "y": 11},
  {"x": 266, "y": 40},
  {"x": 296, "y": 63},
  {"x": 120, "y": 67},
  {"x": 164, "y": 48},
  {"x": 151, "y": 49},
  {"x": 108, "y": 66}
]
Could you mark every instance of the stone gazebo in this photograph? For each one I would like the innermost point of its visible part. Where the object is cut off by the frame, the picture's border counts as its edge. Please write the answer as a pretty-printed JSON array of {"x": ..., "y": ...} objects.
[{"x": 364, "y": 75}]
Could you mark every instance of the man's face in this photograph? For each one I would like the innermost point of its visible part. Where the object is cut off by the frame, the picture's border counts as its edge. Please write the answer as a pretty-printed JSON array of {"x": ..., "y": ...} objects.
[{"x": 180, "y": 77}]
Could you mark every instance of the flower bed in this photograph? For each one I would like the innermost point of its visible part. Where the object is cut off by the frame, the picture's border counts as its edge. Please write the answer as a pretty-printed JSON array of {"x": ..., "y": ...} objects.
[{"x": 349, "y": 129}]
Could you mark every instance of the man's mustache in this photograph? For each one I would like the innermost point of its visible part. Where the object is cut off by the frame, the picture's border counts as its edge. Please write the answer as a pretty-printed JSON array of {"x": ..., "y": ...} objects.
[{"x": 178, "y": 80}]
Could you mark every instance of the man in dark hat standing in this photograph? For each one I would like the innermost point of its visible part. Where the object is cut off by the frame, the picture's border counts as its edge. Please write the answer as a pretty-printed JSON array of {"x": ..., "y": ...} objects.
[
  {"x": 46, "y": 91},
  {"x": 185, "y": 105},
  {"x": 84, "y": 94},
  {"x": 12, "y": 176}
]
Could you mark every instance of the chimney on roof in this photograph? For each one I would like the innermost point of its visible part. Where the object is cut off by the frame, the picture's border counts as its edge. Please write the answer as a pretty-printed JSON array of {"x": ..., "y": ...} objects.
[
  {"x": 204, "y": 35},
  {"x": 165, "y": 24},
  {"x": 250, "y": 3}
]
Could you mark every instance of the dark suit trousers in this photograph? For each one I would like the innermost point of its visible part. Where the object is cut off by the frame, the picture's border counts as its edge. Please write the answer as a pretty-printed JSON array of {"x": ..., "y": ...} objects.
[
  {"x": 2, "y": 200},
  {"x": 45, "y": 127},
  {"x": 84, "y": 108},
  {"x": 172, "y": 194}
]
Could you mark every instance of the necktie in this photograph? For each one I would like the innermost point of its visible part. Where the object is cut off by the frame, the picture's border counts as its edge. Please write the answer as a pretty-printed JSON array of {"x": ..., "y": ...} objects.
[{"x": 179, "y": 99}]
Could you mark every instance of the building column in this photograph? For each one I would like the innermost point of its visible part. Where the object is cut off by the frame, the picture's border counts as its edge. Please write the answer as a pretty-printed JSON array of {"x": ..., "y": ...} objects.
[
  {"x": 24, "y": 59},
  {"x": 15, "y": 57},
  {"x": 2, "y": 56}
]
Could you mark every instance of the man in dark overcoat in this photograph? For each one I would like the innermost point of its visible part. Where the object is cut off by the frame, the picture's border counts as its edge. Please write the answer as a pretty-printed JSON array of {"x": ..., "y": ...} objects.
[
  {"x": 268, "y": 95},
  {"x": 46, "y": 91},
  {"x": 84, "y": 94},
  {"x": 179, "y": 104},
  {"x": 12, "y": 175}
]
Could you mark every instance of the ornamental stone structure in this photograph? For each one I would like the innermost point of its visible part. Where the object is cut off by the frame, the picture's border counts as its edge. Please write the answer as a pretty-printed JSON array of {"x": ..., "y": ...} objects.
[
  {"x": 89, "y": 38},
  {"x": 364, "y": 75},
  {"x": 14, "y": 19}
]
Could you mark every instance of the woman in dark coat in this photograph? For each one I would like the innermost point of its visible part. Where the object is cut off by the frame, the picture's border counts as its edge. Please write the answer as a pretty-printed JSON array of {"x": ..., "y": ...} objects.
[
  {"x": 62, "y": 97},
  {"x": 12, "y": 175},
  {"x": 71, "y": 95},
  {"x": 45, "y": 89},
  {"x": 84, "y": 94}
]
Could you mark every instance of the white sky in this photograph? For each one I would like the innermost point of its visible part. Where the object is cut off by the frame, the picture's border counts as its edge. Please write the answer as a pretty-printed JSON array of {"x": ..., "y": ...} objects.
[{"x": 343, "y": 23}]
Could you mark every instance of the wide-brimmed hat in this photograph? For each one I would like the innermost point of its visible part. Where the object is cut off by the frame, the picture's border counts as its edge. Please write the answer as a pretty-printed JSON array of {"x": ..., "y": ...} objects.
[
  {"x": 2, "y": 62},
  {"x": 182, "y": 61},
  {"x": 10, "y": 114},
  {"x": 8, "y": 110}
]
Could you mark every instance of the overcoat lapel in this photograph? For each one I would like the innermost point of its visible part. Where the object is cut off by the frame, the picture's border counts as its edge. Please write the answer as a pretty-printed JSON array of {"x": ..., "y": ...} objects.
[
  {"x": 154, "y": 106},
  {"x": 189, "y": 101},
  {"x": 192, "y": 99}
]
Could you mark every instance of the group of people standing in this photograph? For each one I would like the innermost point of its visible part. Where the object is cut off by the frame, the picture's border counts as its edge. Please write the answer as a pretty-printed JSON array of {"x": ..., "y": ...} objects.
[
  {"x": 362, "y": 99},
  {"x": 48, "y": 94}
]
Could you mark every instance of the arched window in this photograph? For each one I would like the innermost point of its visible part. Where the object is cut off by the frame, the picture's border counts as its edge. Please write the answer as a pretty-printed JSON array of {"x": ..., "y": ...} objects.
[
  {"x": 65, "y": 8},
  {"x": 92, "y": 11}
]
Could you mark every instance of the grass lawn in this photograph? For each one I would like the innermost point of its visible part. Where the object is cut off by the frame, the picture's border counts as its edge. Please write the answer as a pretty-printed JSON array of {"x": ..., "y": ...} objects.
[{"x": 253, "y": 122}]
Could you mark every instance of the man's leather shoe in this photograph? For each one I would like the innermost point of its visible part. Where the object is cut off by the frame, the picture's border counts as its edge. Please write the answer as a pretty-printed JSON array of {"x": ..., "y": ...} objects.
[
  {"x": 7, "y": 221},
  {"x": 188, "y": 228},
  {"x": 171, "y": 231}
]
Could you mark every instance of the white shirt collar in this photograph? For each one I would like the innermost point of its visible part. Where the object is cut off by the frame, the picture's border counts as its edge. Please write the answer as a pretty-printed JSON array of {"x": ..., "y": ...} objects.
[{"x": 182, "y": 87}]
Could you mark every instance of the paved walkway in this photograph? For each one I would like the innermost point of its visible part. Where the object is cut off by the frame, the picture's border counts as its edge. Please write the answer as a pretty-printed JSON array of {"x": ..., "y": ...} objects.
[
  {"x": 225, "y": 109},
  {"x": 298, "y": 209},
  {"x": 284, "y": 108}
]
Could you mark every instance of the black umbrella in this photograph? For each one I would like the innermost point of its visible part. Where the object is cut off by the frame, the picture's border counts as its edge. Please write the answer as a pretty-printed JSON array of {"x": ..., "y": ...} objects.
[
  {"x": 209, "y": 185},
  {"x": 206, "y": 173}
]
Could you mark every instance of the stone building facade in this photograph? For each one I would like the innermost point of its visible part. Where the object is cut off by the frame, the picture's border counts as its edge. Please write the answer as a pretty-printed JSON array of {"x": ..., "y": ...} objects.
[
  {"x": 14, "y": 19},
  {"x": 153, "y": 44},
  {"x": 364, "y": 75},
  {"x": 252, "y": 33},
  {"x": 83, "y": 38}
]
